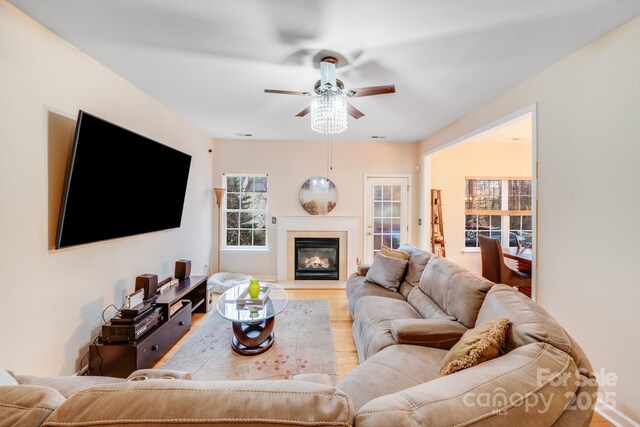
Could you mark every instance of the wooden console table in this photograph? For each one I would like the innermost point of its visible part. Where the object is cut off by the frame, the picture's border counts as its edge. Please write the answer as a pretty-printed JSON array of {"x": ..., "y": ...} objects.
[{"x": 121, "y": 359}]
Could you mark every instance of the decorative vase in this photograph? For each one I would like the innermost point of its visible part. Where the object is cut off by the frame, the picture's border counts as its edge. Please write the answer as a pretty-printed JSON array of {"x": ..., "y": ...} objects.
[{"x": 254, "y": 287}]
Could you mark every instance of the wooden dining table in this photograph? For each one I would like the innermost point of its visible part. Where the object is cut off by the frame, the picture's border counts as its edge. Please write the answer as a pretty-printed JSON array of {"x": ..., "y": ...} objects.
[{"x": 523, "y": 258}]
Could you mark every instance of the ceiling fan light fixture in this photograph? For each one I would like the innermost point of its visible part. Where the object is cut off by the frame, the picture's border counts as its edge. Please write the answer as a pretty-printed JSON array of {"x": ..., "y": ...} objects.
[{"x": 329, "y": 114}]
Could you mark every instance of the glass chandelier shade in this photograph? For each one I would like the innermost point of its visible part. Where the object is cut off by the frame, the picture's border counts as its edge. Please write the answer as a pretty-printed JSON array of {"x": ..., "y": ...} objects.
[{"x": 329, "y": 113}]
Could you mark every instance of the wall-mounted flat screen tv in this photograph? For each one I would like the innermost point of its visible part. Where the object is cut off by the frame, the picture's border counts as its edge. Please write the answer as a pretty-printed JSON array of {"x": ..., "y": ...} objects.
[{"x": 119, "y": 184}]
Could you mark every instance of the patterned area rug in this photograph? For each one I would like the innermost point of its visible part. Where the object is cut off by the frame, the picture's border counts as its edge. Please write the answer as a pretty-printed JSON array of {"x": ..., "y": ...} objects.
[{"x": 304, "y": 344}]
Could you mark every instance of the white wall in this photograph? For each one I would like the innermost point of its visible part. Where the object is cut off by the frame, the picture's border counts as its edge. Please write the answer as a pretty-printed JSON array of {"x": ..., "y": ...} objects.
[
  {"x": 52, "y": 301},
  {"x": 291, "y": 163},
  {"x": 588, "y": 108},
  {"x": 451, "y": 166}
]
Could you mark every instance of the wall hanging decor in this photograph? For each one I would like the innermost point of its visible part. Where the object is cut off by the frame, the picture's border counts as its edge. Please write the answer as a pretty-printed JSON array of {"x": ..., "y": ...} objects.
[{"x": 318, "y": 195}]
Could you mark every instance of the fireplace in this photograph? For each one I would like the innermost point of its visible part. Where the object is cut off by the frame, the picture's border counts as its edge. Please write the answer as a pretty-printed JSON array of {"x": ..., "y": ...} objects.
[{"x": 317, "y": 258}]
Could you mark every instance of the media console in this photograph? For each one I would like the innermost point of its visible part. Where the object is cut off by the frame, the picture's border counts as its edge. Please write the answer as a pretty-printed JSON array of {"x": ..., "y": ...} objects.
[{"x": 121, "y": 359}]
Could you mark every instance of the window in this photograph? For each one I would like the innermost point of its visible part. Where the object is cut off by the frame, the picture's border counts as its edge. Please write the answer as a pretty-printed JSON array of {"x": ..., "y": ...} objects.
[
  {"x": 499, "y": 208},
  {"x": 245, "y": 211}
]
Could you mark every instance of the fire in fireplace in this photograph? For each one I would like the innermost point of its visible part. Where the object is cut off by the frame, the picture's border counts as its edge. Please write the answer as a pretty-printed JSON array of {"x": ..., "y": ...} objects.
[{"x": 317, "y": 258}]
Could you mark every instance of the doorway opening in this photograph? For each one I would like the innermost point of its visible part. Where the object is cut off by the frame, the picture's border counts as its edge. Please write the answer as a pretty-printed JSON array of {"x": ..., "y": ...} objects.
[{"x": 487, "y": 181}]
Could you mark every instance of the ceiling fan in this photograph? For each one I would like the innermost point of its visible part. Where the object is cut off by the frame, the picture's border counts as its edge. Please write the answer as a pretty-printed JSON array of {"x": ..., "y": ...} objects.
[{"x": 328, "y": 87}]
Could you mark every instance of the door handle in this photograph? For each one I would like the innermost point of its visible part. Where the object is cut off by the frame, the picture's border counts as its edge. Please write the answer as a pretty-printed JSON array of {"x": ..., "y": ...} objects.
[{"x": 370, "y": 233}]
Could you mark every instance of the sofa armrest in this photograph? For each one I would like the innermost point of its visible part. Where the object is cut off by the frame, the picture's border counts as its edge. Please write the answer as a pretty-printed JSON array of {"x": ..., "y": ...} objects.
[
  {"x": 363, "y": 269},
  {"x": 427, "y": 332},
  {"x": 156, "y": 374},
  {"x": 531, "y": 385}
]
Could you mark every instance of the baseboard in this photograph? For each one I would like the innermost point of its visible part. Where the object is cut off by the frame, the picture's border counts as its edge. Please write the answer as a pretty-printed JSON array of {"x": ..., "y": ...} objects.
[{"x": 613, "y": 415}]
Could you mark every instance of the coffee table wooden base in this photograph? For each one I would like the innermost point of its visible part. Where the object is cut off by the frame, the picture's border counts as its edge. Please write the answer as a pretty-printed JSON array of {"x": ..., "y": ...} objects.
[{"x": 252, "y": 338}]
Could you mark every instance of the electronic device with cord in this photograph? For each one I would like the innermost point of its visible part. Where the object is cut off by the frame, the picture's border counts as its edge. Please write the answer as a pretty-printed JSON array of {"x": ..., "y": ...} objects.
[
  {"x": 148, "y": 282},
  {"x": 117, "y": 332},
  {"x": 183, "y": 269},
  {"x": 136, "y": 312}
]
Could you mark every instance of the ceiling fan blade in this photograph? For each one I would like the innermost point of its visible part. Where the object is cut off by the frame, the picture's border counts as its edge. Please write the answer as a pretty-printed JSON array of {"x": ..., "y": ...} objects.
[
  {"x": 372, "y": 90},
  {"x": 354, "y": 112},
  {"x": 304, "y": 112},
  {"x": 287, "y": 92}
]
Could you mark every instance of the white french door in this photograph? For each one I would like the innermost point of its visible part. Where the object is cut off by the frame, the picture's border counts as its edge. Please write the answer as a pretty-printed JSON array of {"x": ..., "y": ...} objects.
[{"x": 386, "y": 213}]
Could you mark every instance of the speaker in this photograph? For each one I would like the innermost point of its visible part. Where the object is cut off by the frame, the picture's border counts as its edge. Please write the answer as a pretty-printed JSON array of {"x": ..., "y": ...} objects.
[
  {"x": 183, "y": 269},
  {"x": 148, "y": 282}
]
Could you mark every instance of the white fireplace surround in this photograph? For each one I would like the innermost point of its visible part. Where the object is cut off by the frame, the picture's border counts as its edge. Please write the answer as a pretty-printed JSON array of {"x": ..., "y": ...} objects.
[{"x": 316, "y": 223}]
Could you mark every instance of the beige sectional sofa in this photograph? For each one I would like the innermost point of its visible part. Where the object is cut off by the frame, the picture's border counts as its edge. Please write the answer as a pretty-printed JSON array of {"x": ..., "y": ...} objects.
[{"x": 401, "y": 337}]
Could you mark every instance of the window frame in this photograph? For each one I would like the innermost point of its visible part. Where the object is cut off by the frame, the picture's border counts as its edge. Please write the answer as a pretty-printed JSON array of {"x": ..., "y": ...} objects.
[
  {"x": 504, "y": 212},
  {"x": 225, "y": 210}
]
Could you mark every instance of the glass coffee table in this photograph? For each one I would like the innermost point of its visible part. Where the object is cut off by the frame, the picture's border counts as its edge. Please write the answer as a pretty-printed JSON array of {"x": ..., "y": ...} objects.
[{"x": 252, "y": 325}]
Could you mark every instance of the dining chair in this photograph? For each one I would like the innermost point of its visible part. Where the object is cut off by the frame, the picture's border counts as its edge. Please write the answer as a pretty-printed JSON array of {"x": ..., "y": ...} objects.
[{"x": 495, "y": 269}]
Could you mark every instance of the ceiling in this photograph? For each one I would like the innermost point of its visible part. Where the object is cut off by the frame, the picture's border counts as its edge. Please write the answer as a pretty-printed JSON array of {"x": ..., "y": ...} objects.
[
  {"x": 516, "y": 131},
  {"x": 210, "y": 60}
]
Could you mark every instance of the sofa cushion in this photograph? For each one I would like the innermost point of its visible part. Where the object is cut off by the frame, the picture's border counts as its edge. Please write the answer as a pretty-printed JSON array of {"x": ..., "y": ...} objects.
[
  {"x": 426, "y": 307},
  {"x": 27, "y": 405},
  {"x": 180, "y": 402},
  {"x": 529, "y": 322},
  {"x": 387, "y": 271},
  {"x": 372, "y": 323},
  {"x": 418, "y": 260},
  {"x": 67, "y": 385},
  {"x": 458, "y": 292},
  {"x": 358, "y": 287},
  {"x": 391, "y": 370},
  {"x": 476, "y": 346},
  {"x": 507, "y": 391}
]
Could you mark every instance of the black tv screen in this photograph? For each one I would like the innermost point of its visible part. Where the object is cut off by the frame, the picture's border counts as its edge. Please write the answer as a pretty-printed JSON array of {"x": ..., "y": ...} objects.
[{"x": 119, "y": 184}]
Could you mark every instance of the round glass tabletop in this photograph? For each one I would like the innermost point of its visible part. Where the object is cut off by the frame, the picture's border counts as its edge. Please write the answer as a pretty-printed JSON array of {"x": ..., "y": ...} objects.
[{"x": 228, "y": 308}]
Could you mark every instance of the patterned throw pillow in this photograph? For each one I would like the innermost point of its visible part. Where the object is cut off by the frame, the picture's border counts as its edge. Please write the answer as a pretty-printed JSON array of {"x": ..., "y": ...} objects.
[
  {"x": 477, "y": 345},
  {"x": 394, "y": 253}
]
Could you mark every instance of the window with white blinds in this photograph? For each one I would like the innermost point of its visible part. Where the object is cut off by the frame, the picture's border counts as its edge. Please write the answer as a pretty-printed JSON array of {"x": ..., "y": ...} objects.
[{"x": 497, "y": 207}]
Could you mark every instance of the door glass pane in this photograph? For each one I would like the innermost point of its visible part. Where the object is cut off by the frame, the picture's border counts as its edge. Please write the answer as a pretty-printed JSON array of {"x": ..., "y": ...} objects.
[
  {"x": 377, "y": 225},
  {"x": 377, "y": 242},
  {"x": 386, "y": 209},
  {"x": 396, "y": 193},
  {"x": 386, "y": 192},
  {"x": 377, "y": 209},
  {"x": 396, "y": 209},
  {"x": 395, "y": 227},
  {"x": 387, "y": 226},
  {"x": 377, "y": 192},
  {"x": 395, "y": 241}
]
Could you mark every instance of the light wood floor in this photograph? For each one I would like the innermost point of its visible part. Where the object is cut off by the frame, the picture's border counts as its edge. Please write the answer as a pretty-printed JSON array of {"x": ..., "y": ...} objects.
[{"x": 346, "y": 355}]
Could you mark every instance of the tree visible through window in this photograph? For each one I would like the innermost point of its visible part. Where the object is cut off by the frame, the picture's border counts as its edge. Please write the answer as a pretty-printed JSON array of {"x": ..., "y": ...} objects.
[
  {"x": 499, "y": 208},
  {"x": 245, "y": 211}
]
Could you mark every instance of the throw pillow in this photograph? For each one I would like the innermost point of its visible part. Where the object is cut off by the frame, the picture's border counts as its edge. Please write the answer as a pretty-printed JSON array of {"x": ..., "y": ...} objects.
[
  {"x": 477, "y": 345},
  {"x": 394, "y": 253},
  {"x": 6, "y": 378},
  {"x": 387, "y": 272}
]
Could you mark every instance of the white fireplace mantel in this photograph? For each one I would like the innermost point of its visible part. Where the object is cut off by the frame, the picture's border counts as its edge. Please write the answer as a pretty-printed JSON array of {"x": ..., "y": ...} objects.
[{"x": 316, "y": 223}]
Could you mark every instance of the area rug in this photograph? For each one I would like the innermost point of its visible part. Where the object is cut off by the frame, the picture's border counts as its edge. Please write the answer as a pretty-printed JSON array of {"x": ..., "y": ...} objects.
[{"x": 303, "y": 344}]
